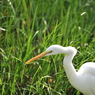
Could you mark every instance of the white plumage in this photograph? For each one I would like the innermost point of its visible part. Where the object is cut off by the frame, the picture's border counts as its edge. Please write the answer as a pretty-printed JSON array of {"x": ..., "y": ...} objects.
[{"x": 84, "y": 79}]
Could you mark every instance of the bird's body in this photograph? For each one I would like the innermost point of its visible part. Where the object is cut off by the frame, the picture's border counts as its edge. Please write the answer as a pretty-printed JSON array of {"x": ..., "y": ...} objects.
[
  {"x": 83, "y": 79},
  {"x": 87, "y": 75}
]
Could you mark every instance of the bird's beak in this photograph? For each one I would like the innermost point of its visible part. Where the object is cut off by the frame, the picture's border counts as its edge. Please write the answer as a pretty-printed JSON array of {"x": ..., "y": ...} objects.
[{"x": 38, "y": 56}]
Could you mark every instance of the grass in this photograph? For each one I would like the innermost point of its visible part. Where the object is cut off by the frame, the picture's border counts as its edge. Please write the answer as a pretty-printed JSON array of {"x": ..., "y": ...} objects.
[{"x": 27, "y": 28}]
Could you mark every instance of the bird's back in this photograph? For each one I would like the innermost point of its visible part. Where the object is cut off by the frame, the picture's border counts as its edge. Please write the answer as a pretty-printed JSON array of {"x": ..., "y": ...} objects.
[{"x": 87, "y": 68}]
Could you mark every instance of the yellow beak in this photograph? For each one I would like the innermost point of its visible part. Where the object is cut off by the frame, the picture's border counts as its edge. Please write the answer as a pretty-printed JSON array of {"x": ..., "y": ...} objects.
[{"x": 38, "y": 56}]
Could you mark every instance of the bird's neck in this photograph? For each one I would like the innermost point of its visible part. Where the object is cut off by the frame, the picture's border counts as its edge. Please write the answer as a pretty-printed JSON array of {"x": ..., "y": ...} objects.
[
  {"x": 69, "y": 68},
  {"x": 72, "y": 75}
]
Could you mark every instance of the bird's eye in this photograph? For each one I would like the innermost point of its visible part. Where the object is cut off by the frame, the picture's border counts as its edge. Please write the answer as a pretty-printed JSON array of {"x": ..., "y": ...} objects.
[{"x": 50, "y": 51}]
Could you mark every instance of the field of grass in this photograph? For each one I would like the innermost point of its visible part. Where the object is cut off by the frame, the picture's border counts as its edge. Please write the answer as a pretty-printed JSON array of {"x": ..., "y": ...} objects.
[{"x": 27, "y": 28}]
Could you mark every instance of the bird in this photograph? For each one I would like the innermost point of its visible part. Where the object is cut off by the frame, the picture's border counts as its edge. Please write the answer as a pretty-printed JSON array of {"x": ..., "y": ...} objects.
[{"x": 84, "y": 79}]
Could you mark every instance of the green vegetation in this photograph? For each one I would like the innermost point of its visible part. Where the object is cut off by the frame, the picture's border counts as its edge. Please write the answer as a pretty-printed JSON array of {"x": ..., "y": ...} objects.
[{"x": 27, "y": 28}]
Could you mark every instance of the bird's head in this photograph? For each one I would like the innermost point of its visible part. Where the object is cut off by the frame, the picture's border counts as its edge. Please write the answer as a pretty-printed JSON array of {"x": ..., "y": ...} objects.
[{"x": 53, "y": 50}]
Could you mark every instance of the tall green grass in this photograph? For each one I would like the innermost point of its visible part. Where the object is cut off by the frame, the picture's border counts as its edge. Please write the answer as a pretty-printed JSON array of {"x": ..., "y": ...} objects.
[{"x": 27, "y": 28}]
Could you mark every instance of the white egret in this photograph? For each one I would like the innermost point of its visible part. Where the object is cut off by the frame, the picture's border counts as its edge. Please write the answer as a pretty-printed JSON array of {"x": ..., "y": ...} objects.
[{"x": 83, "y": 79}]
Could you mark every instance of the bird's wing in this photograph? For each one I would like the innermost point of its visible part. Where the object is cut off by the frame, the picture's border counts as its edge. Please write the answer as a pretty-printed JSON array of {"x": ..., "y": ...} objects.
[
  {"x": 87, "y": 68},
  {"x": 87, "y": 72}
]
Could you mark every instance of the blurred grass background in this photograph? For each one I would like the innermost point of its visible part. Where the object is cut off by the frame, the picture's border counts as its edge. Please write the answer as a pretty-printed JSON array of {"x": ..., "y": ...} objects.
[{"x": 27, "y": 28}]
